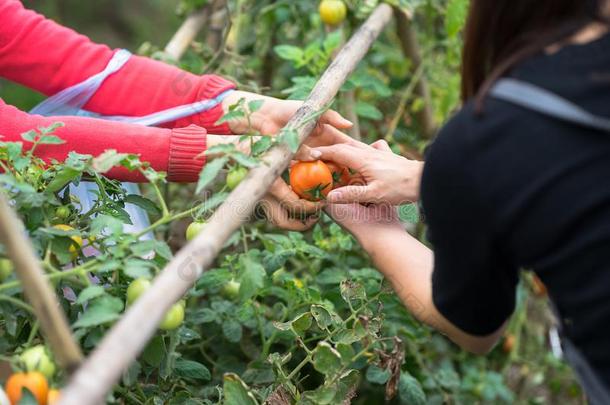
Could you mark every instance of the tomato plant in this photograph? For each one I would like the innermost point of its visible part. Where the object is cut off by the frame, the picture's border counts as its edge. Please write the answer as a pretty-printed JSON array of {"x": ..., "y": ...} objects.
[
  {"x": 37, "y": 359},
  {"x": 311, "y": 180},
  {"x": 282, "y": 317}
]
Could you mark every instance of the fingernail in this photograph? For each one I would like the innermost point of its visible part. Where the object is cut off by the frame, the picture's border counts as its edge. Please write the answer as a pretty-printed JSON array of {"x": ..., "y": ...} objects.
[
  {"x": 315, "y": 154},
  {"x": 348, "y": 122}
]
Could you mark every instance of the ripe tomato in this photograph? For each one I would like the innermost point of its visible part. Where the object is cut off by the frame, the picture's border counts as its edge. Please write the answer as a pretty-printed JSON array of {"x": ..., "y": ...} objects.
[
  {"x": 231, "y": 289},
  {"x": 194, "y": 229},
  {"x": 6, "y": 269},
  {"x": 136, "y": 289},
  {"x": 37, "y": 359},
  {"x": 34, "y": 381},
  {"x": 53, "y": 396},
  {"x": 509, "y": 343},
  {"x": 311, "y": 180},
  {"x": 235, "y": 176},
  {"x": 341, "y": 176},
  {"x": 174, "y": 317},
  {"x": 77, "y": 239},
  {"x": 332, "y": 12}
]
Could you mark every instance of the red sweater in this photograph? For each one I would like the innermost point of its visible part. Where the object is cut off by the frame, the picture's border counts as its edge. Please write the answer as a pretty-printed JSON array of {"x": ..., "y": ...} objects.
[{"x": 47, "y": 57}]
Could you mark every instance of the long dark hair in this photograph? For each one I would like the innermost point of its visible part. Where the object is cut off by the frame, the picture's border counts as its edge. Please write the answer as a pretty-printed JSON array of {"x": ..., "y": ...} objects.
[{"x": 501, "y": 33}]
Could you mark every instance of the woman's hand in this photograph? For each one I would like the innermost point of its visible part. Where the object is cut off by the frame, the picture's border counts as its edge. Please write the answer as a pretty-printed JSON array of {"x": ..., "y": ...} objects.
[
  {"x": 274, "y": 113},
  {"x": 269, "y": 119},
  {"x": 388, "y": 178}
]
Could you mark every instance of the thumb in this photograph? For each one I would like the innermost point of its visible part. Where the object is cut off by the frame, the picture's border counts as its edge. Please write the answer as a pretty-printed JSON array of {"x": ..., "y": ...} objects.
[{"x": 351, "y": 194}]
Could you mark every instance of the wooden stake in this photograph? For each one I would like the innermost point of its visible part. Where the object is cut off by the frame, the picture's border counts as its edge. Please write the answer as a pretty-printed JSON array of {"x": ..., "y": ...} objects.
[
  {"x": 129, "y": 336},
  {"x": 187, "y": 32},
  {"x": 37, "y": 290},
  {"x": 410, "y": 47}
]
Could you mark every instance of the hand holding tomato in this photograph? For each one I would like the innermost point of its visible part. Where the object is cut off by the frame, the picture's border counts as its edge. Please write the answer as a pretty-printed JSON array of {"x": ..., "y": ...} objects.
[{"x": 386, "y": 177}]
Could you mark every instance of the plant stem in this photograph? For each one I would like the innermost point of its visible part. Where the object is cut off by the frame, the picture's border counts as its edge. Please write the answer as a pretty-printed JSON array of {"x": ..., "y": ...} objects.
[{"x": 17, "y": 302}]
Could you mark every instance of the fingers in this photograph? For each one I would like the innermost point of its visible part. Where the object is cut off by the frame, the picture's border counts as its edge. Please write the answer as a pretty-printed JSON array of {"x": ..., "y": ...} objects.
[
  {"x": 278, "y": 216},
  {"x": 328, "y": 135},
  {"x": 290, "y": 201},
  {"x": 303, "y": 154},
  {"x": 346, "y": 155},
  {"x": 335, "y": 119},
  {"x": 352, "y": 194},
  {"x": 381, "y": 145}
]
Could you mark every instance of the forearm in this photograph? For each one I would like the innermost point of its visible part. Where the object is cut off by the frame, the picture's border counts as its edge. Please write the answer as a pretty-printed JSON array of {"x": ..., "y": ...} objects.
[{"x": 408, "y": 265}]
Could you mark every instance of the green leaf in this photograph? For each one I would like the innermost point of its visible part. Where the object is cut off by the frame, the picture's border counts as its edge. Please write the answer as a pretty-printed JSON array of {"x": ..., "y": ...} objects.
[
  {"x": 366, "y": 110},
  {"x": 154, "y": 352},
  {"x": 236, "y": 392},
  {"x": 289, "y": 52},
  {"x": 50, "y": 140},
  {"x": 103, "y": 310},
  {"x": 252, "y": 277},
  {"x": 27, "y": 398},
  {"x": 107, "y": 161},
  {"x": 89, "y": 293},
  {"x": 144, "y": 203},
  {"x": 291, "y": 138},
  {"x": 209, "y": 172},
  {"x": 232, "y": 330},
  {"x": 351, "y": 290},
  {"x": 262, "y": 145},
  {"x": 255, "y": 105},
  {"x": 377, "y": 375},
  {"x": 29, "y": 136},
  {"x": 326, "y": 359},
  {"x": 410, "y": 390},
  {"x": 244, "y": 160},
  {"x": 302, "y": 323},
  {"x": 324, "y": 318},
  {"x": 136, "y": 268},
  {"x": 455, "y": 18},
  {"x": 192, "y": 370},
  {"x": 62, "y": 178}
]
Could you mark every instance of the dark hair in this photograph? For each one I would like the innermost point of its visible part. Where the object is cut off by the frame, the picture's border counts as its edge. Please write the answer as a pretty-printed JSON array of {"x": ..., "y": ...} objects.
[{"x": 502, "y": 33}]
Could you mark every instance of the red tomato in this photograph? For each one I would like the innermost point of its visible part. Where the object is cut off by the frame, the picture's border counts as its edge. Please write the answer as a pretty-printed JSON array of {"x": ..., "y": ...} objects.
[
  {"x": 311, "y": 180},
  {"x": 34, "y": 381}
]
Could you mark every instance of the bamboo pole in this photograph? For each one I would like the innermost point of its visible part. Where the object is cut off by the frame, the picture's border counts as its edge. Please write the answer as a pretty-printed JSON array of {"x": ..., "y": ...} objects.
[
  {"x": 411, "y": 49},
  {"x": 128, "y": 337},
  {"x": 37, "y": 290},
  {"x": 187, "y": 32}
]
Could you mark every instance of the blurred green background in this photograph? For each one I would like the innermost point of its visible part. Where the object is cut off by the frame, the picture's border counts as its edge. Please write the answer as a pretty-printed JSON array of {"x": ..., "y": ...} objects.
[{"x": 117, "y": 23}]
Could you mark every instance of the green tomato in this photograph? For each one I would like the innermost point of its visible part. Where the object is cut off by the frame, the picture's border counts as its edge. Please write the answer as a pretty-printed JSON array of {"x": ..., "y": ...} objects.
[
  {"x": 63, "y": 212},
  {"x": 194, "y": 229},
  {"x": 174, "y": 317},
  {"x": 231, "y": 289},
  {"x": 6, "y": 269},
  {"x": 37, "y": 359},
  {"x": 278, "y": 276},
  {"x": 235, "y": 176},
  {"x": 136, "y": 289}
]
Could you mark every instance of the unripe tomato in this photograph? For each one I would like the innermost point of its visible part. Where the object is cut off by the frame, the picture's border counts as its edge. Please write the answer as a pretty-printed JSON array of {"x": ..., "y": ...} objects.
[
  {"x": 77, "y": 239},
  {"x": 194, "y": 229},
  {"x": 231, "y": 289},
  {"x": 332, "y": 12},
  {"x": 6, "y": 269},
  {"x": 174, "y": 317},
  {"x": 278, "y": 276},
  {"x": 235, "y": 176},
  {"x": 136, "y": 289},
  {"x": 63, "y": 212},
  {"x": 53, "y": 396},
  {"x": 37, "y": 359},
  {"x": 33, "y": 381},
  {"x": 311, "y": 180}
]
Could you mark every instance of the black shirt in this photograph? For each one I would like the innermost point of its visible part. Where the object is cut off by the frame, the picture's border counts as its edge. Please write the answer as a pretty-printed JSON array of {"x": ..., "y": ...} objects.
[{"x": 514, "y": 189}]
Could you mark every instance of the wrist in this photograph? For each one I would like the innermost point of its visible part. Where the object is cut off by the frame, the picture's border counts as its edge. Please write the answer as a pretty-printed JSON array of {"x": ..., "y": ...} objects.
[{"x": 411, "y": 181}]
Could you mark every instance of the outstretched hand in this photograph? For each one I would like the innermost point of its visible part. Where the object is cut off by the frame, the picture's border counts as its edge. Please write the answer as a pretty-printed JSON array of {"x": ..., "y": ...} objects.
[{"x": 388, "y": 178}]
